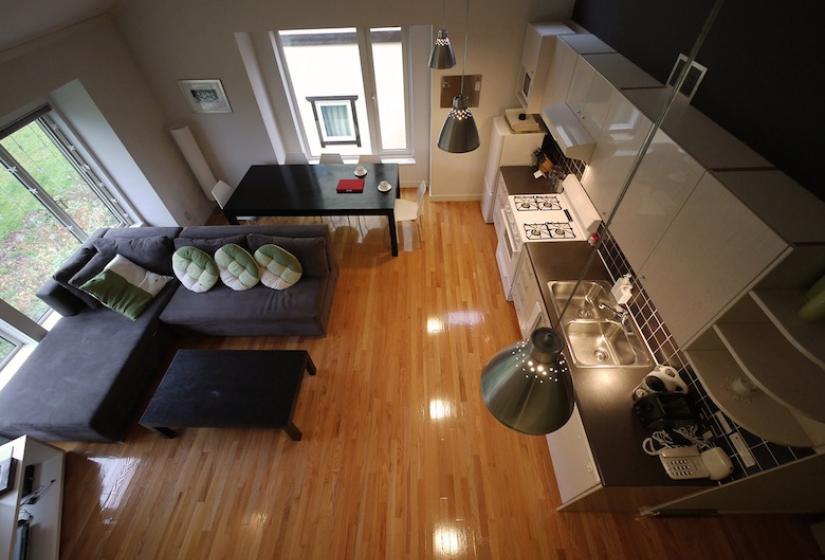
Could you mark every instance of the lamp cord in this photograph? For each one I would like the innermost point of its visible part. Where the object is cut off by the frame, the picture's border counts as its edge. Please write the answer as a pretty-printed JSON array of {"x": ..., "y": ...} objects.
[{"x": 466, "y": 37}]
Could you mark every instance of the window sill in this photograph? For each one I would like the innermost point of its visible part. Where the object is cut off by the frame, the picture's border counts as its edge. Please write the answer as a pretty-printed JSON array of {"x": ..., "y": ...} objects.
[
  {"x": 24, "y": 351},
  {"x": 352, "y": 160}
]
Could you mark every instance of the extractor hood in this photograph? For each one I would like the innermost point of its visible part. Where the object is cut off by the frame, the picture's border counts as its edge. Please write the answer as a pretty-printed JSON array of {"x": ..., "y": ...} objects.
[{"x": 569, "y": 132}]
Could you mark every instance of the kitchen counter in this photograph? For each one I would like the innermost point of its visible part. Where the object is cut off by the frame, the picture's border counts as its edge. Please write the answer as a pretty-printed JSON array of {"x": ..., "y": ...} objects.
[
  {"x": 602, "y": 394},
  {"x": 519, "y": 179}
]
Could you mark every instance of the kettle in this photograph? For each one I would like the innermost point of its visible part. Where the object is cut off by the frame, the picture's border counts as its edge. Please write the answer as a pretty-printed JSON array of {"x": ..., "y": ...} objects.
[{"x": 663, "y": 379}]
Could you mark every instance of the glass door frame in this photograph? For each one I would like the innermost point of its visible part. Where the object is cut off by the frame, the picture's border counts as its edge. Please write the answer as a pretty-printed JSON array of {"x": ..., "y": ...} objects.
[{"x": 368, "y": 76}]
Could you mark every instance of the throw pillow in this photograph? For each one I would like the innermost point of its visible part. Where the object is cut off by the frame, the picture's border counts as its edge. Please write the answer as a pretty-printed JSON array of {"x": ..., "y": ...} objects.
[
  {"x": 195, "y": 269},
  {"x": 209, "y": 245},
  {"x": 237, "y": 267},
  {"x": 310, "y": 251},
  {"x": 69, "y": 268},
  {"x": 153, "y": 252},
  {"x": 91, "y": 269},
  {"x": 126, "y": 287},
  {"x": 280, "y": 269}
]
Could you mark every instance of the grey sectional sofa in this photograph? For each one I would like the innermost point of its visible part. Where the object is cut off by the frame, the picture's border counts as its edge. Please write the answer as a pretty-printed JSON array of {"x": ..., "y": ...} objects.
[{"x": 88, "y": 377}]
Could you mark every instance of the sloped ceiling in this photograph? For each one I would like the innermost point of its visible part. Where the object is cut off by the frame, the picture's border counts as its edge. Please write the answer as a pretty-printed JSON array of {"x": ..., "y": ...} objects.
[{"x": 24, "y": 20}]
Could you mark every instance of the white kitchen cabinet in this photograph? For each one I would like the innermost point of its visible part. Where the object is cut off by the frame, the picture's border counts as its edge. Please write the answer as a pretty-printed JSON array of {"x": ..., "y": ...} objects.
[
  {"x": 559, "y": 74},
  {"x": 527, "y": 298},
  {"x": 714, "y": 248},
  {"x": 624, "y": 130},
  {"x": 573, "y": 463},
  {"x": 662, "y": 184},
  {"x": 589, "y": 96},
  {"x": 505, "y": 148},
  {"x": 537, "y": 53}
]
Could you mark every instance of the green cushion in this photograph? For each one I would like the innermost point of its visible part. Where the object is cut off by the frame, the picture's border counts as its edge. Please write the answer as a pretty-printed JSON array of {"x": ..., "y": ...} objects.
[
  {"x": 125, "y": 287},
  {"x": 280, "y": 269},
  {"x": 195, "y": 269},
  {"x": 237, "y": 267}
]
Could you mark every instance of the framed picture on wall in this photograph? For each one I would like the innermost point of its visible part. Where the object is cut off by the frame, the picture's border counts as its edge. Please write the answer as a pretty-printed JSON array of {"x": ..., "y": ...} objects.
[{"x": 205, "y": 96}]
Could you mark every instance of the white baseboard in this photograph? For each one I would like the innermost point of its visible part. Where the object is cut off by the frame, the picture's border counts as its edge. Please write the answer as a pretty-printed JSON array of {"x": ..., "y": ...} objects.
[{"x": 469, "y": 197}]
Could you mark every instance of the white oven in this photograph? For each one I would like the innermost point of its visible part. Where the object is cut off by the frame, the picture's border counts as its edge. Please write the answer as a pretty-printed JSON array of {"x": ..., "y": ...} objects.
[{"x": 508, "y": 252}]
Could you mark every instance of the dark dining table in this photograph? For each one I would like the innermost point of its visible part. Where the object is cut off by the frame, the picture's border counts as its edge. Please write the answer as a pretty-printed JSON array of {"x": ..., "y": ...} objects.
[{"x": 310, "y": 190}]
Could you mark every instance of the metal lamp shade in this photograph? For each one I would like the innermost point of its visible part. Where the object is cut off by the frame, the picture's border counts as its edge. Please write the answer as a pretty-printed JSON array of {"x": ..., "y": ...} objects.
[
  {"x": 524, "y": 387},
  {"x": 459, "y": 133},
  {"x": 442, "y": 55}
]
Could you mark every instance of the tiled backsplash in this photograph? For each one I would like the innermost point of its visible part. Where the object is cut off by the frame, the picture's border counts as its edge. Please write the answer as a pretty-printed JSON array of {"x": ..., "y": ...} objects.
[
  {"x": 765, "y": 455},
  {"x": 561, "y": 161}
]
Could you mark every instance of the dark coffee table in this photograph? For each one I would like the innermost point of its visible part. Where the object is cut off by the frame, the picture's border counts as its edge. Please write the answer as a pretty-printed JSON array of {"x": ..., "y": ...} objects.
[{"x": 229, "y": 388}]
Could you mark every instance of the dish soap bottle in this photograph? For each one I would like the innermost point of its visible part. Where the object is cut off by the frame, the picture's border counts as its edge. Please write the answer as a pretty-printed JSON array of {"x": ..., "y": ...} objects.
[{"x": 622, "y": 290}]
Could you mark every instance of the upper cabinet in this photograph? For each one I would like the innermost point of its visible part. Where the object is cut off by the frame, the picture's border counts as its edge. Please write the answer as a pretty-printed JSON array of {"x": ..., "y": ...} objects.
[
  {"x": 537, "y": 53},
  {"x": 709, "y": 144},
  {"x": 711, "y": 252},
  {"x": 665, "y": 178},
  {"x": 566, "y": 51},
  {"x": 589, "y": 97}
]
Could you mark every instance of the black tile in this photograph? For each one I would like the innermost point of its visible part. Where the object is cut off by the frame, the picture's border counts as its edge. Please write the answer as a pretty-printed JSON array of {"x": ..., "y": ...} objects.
[
  {"x": 750, "y": 439},
  {"x": 781, "y": 453},
  {"x": 801, "y": 452},
  {"x": 763, "y": 457}
]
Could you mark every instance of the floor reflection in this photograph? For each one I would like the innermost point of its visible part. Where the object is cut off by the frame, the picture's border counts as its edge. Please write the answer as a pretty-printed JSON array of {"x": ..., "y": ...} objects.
[
  {"x": 448, "y": 541},
  {"x": 116, "y": 474}
]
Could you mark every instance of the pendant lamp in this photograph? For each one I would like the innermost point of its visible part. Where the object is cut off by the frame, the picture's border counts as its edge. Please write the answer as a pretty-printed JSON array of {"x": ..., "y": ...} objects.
[
  {"x": 527, "y": 387},
  {"x": 442, "y": 54},
  {"x": 459, "y": 133}
]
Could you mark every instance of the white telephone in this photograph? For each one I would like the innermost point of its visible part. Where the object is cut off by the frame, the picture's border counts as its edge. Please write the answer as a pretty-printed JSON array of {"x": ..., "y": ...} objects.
[{"x": 682, "y": 463}]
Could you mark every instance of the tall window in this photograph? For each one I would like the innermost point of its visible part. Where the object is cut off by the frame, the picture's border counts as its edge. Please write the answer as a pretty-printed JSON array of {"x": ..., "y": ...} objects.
[
  {"x": 51, "y": 199},
  {"x": 349, "y": 88}
]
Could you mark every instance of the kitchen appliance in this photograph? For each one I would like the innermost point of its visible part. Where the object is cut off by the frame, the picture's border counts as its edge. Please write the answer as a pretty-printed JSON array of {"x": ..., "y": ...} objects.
[
  {"x": 663, "y": 379},
  {"x": 568, "y": 132},
  {"x": 507, "y": 147},
  {"x": 662, "y": 411},
  {"x": 531, "y": 218},
  {"x": 684, "y": 463}
]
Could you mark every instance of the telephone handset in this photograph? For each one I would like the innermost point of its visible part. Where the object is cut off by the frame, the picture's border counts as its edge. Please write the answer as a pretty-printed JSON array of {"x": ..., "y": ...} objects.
[{"x": 682, "y": 463}]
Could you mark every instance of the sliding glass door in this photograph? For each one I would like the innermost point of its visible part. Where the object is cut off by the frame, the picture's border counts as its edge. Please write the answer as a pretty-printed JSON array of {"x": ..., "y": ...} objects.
[{"x": 50, "y": 201}]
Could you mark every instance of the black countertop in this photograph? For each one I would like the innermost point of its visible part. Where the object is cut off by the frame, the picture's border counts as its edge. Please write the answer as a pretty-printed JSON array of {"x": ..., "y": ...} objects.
[
  {"x": 603, "y": 394},
  {"x": 519, "y": 180}
]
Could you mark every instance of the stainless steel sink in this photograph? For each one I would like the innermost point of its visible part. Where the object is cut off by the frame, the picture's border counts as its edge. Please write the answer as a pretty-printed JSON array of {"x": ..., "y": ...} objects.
[
  {"x": 596, "y": 334},
  {"x": 601, "y": 343}
]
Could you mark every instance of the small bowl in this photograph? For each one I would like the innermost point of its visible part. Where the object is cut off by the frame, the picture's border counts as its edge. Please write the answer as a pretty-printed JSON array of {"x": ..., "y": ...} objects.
[
  {"x": 384, "y": 186},
  {"x": 360, "y": 171}
]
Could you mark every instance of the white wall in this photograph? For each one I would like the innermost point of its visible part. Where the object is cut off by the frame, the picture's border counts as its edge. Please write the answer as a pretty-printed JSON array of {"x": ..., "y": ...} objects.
[
  {"x": 194, "y": 39},
  {"x": 94, "y": 53}
]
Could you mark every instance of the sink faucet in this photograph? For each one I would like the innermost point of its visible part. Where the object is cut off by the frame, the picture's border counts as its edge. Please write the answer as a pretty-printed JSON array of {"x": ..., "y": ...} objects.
[{"x": 621, "y": 315}]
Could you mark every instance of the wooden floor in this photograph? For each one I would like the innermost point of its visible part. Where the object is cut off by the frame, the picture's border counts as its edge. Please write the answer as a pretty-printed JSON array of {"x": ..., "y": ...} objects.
[{"x": 399, "y": 458}]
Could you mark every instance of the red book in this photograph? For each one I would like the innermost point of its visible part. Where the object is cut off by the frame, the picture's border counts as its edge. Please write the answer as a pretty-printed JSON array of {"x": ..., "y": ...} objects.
[{"x": 350, "y": 185}]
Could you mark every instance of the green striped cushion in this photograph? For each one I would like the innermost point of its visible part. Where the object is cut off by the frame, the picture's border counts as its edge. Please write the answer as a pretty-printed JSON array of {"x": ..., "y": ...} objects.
[
  {"x": 195, "y": 269},
  {"x": 237, "y": 267},
  {"x": 125, "y": 287},
  {"x": 280, "y": 269}
]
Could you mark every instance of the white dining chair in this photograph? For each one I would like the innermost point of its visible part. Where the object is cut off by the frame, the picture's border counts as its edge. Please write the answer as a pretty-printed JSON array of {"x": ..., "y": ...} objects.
[
  {"x": 330, "y": 159},
  {"x": 410, "y": 211},
  {"x": 295, "y": 158},
  {"x": 222, "y": 193},
  {"x": 368, "y": 158}
]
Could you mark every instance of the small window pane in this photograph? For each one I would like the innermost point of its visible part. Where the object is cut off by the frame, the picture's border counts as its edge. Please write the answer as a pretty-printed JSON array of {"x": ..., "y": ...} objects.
[
  {"x": 324, "y": 63},
  {"x": 388, "y": 64},
  {"x": 7, "y": 348}
]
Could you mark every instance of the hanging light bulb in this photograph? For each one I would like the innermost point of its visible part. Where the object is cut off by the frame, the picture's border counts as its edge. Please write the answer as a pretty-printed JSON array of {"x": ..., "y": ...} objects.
[
  {"x": 459, "y": 133},
  {"x": 442, "y": 54}
]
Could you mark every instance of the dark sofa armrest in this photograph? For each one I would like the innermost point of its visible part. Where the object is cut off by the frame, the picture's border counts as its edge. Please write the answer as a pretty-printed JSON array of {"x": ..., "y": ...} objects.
[{"x": 60, "y": 299}]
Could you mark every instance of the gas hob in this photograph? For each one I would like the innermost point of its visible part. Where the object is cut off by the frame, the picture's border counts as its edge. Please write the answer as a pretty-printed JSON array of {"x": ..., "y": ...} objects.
[{"x": 543, "y": 217}]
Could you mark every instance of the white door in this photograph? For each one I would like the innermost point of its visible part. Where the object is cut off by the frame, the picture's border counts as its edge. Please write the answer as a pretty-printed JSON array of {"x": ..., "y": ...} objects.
[
  {"x": 589, "y": 97},
  {"x": 560, "y": 74},
  {"x": 664, "y": 181},
  {"x": 624, "y": 130},
  {"x": 714, "y": 248},
  {"x": 573, "y": 463}
]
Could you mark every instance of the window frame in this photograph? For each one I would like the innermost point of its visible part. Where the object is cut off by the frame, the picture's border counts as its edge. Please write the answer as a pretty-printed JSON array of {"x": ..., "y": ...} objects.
[
  {"x": 14, "y": 341},
  {"x": 368, "y": 76}
]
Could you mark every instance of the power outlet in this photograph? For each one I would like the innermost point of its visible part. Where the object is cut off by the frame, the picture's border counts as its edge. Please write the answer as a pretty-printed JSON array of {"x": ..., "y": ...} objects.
[{"x": 742, "y": 449}]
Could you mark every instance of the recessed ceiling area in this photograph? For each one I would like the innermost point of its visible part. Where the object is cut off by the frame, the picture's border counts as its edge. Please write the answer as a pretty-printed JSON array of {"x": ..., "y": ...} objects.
[{"x": 24, "y": 20}]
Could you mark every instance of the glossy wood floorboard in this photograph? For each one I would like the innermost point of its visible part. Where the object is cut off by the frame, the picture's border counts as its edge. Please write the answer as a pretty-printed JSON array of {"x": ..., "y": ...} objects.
[{"x": 399, "y": 458}]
